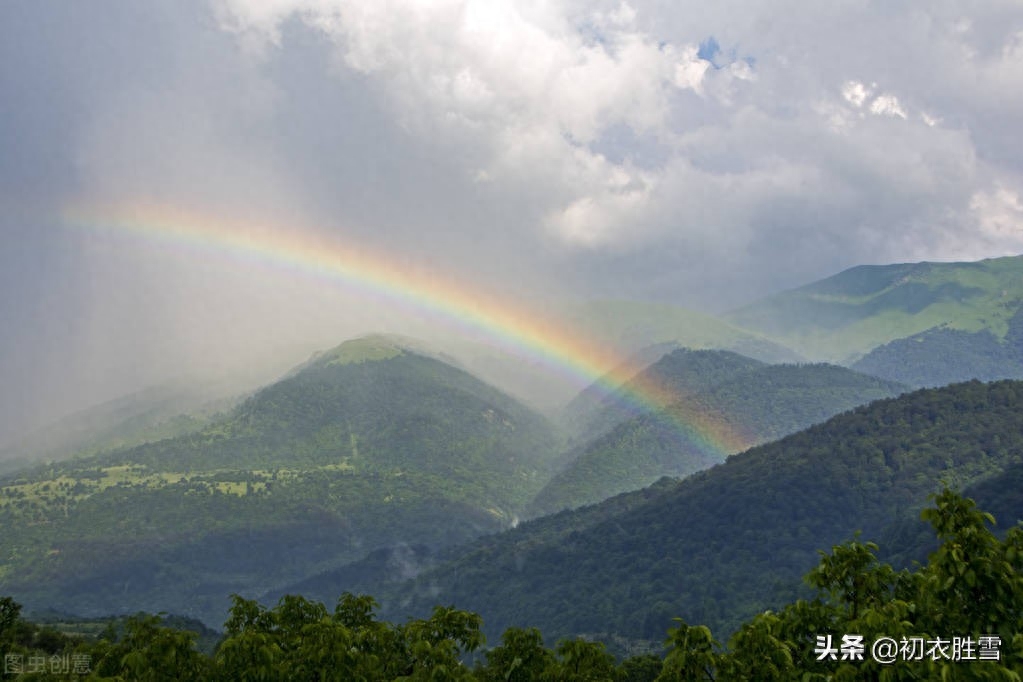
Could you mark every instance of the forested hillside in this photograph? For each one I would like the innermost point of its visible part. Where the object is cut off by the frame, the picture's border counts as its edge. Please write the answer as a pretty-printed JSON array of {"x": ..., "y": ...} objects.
[
  {"x": 725, "y": 403},
  {"x": 733, "y": 540},
  {"x": 943, "y": 355},
  {"x": 367, "y": 446},
  {"x": 679, "y": 372}
]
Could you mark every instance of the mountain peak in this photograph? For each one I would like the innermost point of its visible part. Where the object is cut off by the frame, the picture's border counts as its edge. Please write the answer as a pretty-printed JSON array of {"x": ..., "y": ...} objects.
[{"x": 369, "y": 348}]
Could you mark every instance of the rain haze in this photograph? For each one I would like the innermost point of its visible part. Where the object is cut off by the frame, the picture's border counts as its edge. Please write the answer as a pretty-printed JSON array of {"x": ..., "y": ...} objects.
[{"x": 699, "y": 154}]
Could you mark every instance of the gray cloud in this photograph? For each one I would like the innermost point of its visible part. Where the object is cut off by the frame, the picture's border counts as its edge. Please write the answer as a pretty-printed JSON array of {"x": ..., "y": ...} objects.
[{"x": 537, "y": 149}]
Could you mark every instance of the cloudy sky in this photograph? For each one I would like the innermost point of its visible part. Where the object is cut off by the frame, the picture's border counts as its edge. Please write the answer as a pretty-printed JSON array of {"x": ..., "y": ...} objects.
[{"x": 700, "y": 153}]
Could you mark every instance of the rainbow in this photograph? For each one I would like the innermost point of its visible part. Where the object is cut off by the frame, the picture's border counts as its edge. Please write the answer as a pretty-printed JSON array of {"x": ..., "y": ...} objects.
[{"x": 304, "y": 252}]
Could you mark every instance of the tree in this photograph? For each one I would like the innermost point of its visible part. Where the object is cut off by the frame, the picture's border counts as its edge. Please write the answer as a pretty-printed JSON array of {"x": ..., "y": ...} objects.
[
  {"x": 149, "y": 652},
  {"x": 973, "y": 582},
  {"x": 581, "y": 661},
  {"x": 10, "y": 612},
  {"x": 692, "y": 654},
  {"x": 433, "y": 647},
  {"x": 643, "y": 668},
  {"x": 521, "y": 657},
  {"x": 298, "y": 639}
]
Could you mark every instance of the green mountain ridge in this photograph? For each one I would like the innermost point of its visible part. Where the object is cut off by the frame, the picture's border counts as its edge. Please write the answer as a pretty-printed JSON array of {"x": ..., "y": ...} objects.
[
  {"x": 374, "y": 461},
  {"x": 844, "y": 317},
  {"x": 674, "y": 370},
  {"x": 726, "y": 403}
]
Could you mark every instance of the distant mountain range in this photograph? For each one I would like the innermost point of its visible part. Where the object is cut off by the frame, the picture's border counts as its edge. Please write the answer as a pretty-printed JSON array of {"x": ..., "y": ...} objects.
[
  {"x": 943, "y": 355},
  {"x": 920, "y": 324},
  {"x": 925, "y": 324},
  {"x": 676, "y": 371}
]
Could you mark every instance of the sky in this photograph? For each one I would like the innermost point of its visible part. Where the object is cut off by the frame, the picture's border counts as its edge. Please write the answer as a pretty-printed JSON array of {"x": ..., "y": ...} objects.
[{"x": 696, "y": 153}]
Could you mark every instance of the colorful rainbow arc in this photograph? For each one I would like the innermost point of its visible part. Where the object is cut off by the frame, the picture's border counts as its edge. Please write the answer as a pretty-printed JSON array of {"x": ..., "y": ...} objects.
[{"x": 515, "y": 329}]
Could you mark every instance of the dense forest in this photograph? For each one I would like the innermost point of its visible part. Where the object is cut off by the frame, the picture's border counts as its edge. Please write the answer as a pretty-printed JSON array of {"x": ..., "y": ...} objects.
[
  {"x": 956, "y": 617},
  {"x": 726, "y": 543}
]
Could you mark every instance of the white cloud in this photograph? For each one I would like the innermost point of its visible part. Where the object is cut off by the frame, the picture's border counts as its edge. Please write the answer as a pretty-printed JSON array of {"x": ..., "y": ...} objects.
[
  {"x": 534, "y": 89},
  {"x": 742, "y": 70},
  {"x": 999, "y": 216},
  {"x": 690, "y": 70},
  {"x": 600, "y": 124},
  {"x": 620, "y": 199},
  {"x": 520, "y": 81},
  {"x": 855, "y": 92},
  {"x": 887, "y": 105}
]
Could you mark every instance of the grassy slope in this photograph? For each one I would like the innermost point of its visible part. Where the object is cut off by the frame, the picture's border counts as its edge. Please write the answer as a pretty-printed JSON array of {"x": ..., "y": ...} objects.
[{"x": 843, "y": 317}]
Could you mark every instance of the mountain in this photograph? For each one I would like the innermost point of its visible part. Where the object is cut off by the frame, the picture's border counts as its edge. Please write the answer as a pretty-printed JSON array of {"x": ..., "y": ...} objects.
[
  {"x": 726, "y": 543},
  {"x": 676, "y": 371},
  {"x": 942, "y": 355},
  {"x": 642, "y": 330},
  {"x": 366, "y": 446},
  {"x": 845, "y": 317},
  {"x": 726, "y": 403}
]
